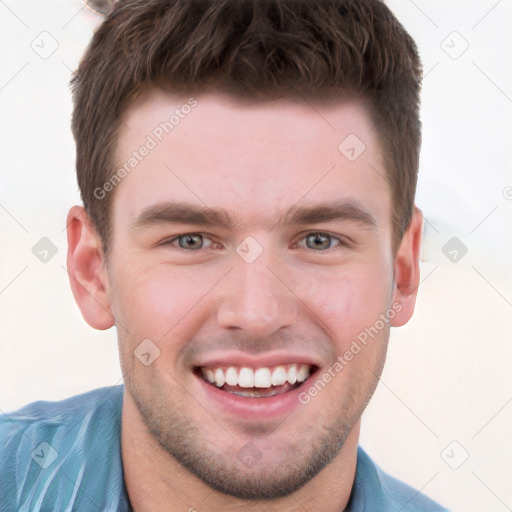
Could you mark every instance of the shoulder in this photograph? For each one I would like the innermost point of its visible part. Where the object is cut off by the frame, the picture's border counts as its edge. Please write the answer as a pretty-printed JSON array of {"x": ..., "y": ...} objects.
[
  {"x": 49, "y": 450},
  {"x": 46, "y": 421},
  {"x": 58, "y": 412},
  {"x": 376, "y": 490}
]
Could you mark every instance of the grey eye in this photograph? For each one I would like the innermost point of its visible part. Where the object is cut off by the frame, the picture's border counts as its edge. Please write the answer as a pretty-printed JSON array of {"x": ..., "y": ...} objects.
[
  {"x": 192, "y": 241},
  {"x": 319, "y": 241}
]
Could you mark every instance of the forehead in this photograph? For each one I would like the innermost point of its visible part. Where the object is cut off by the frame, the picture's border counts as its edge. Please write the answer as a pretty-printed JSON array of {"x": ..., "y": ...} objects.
[{"x": 255, "y": 159}]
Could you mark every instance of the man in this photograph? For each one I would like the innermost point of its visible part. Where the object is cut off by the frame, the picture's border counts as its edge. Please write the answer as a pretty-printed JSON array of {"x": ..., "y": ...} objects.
[{"x": 248, "y": 171}]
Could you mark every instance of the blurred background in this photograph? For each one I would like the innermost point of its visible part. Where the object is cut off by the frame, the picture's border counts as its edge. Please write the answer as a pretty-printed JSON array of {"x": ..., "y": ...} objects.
[{"x": 442, "y": 415}]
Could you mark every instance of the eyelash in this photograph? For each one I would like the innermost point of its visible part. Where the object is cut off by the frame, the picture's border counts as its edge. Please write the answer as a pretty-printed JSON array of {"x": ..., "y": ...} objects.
[{"x": 341, "y": 241}]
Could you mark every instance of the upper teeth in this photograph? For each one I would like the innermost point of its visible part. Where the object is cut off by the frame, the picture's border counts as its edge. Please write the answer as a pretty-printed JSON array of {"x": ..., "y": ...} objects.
[{"x": 265, "y": 377}]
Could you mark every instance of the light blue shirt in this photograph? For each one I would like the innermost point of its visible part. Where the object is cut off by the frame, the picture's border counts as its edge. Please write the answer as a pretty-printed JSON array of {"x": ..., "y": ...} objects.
[{"x": 66, "y": 456}]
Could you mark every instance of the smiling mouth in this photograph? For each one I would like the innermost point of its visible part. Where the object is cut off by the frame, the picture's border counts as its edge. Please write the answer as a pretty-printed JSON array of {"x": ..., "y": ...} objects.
[{"x": 256, "y": 382}]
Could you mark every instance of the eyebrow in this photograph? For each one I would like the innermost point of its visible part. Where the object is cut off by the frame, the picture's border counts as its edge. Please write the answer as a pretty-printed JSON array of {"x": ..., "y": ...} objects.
[
  {"x": 331, "y": 211},
  {"x": 184, "y": 213}
]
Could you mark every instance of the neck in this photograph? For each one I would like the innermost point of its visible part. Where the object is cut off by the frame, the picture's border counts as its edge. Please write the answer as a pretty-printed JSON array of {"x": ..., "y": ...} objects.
[{"x": 156, "y": 481}]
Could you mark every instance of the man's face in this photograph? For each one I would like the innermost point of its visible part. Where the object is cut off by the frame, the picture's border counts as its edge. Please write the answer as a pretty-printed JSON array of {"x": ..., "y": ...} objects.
[{"x": 246, "y": 247}]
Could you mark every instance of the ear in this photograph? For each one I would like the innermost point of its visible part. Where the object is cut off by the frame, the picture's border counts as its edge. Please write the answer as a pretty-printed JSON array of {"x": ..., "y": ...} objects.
[
  {"x": 407, "y": 270},
  {"x": 86, "y": 270}
]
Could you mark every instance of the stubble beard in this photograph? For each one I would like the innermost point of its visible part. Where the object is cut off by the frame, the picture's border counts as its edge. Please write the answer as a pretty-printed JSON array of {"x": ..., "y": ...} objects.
[{"x": 302, "y": 457}]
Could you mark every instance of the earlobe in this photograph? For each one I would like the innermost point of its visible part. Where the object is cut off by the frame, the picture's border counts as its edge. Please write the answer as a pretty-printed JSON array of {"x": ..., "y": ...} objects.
[
  {"x": 407, "y": 270},
  {"x": 87, "y": 275}
]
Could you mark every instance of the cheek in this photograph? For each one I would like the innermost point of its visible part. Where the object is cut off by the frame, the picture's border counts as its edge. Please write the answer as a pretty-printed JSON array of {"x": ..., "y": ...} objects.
[
  {"x": 349, "y": 300},
  {"x": 154, "y": 301}
]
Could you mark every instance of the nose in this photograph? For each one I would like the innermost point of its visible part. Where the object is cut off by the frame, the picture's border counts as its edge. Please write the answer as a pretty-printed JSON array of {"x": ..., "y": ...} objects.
[{"x": 257, "y": 299}]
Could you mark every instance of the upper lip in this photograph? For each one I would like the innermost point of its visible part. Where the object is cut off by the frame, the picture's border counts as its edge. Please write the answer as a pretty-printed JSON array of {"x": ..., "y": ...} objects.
[{"x": 239, "y": 359}]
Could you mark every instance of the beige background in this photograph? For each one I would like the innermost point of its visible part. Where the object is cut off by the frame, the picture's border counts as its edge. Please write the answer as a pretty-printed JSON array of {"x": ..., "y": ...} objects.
[{"x": 446, "y": 392}]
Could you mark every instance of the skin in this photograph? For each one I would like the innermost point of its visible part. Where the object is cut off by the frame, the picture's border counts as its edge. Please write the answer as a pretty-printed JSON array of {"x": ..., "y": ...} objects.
[{"x": 256, "y": 162}]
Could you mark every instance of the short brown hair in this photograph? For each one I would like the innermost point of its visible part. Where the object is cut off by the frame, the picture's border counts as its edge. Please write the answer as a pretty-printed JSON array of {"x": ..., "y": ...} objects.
[{"x": 318, "y": 50}]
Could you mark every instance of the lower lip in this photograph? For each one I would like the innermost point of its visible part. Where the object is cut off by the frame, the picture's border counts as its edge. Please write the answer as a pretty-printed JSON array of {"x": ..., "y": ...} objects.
[{"x": 252, "y": 408}]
